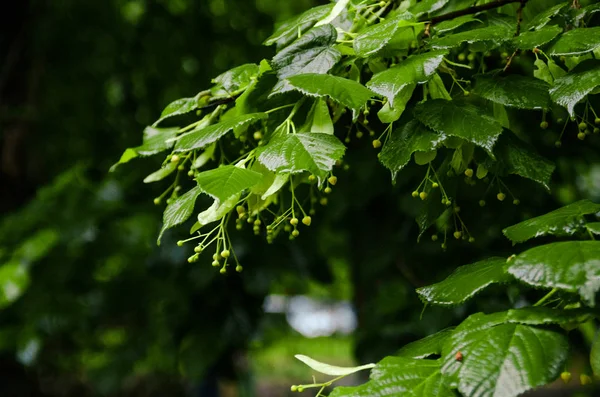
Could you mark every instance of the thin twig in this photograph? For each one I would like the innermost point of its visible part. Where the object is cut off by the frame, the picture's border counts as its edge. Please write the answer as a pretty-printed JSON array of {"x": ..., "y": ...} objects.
[
  {"x": 470, "y": 10},
  {"x": 518, "y": 31}
]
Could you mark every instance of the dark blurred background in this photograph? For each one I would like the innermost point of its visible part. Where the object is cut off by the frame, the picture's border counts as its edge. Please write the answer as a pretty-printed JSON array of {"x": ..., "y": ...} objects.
[{"x": 90, "y": 306}]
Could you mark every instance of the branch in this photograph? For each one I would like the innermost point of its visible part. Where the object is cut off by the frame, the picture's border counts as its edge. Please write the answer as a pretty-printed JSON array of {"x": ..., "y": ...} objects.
[{"x": 470, "y": 10}]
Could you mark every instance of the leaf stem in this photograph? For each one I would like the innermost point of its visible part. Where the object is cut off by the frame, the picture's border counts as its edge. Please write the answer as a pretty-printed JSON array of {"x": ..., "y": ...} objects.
[{"x": 546, "y": 297}]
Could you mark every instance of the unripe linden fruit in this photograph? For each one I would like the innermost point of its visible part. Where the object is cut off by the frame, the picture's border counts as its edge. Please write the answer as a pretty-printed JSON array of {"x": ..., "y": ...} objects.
[
  {"x": 516, "y": 201},
  {"x": 582, "y": 126},
  {"x": 544, "y": 125},
  {"x": 482, "y": 203},
  {"x": 215, "y": 257},
  {"x": 323, "y": 201},
  {"x": 312, "y": 178},
  {"x": 215, "y": 263},
  {"x": 332, "y": 180},
  {"x": 258, "y": 135},
  {"x": 175, "y": 158},
  {"x": 423, "y": 195},
  {"x": 223, "y": 270},
  {"x": 434, "y": 237},
  {"x": 307, "y": 220},
  {"x": 294, "y": 221},
  {"x": 239, "y": 268},
  {"x": 501, "y": 196},
  {"x": 225, "y": 254},
  {"x": 469, "y": 173},
  {"x": 597, "y": 121},
  {"x": 566, "y": 376},
  {"x": 581, "y": 136},
  {"x": 435, "y": 185},
  {"x": 295, "y": 233},
  {"x": 415, "y": 194},
  {"x": 471, "y": 239},
  {"x": 198, "y": 249},
  {"x": 376, "y": 143},
  {"x": 327, "y": 190},
  {"x": 157, "y": 201},
  {"x": 457, "y": 235},
  {"x": 585, "y": 379}
]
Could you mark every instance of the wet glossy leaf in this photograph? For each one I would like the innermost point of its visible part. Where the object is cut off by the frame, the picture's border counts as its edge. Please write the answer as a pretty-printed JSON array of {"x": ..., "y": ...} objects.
[
  {"x": 544, "y": 17},
  {"x": 179, "y": 210},
  {"x": 459, "y": 119},
  {"x": 279, "y": 181},
  {"x": 389, "y": 113},
  {"x": 576, "y": 42},
  {"x": 428, "y": 346},
  {"x": 223, "y": 182},
  {"x": 542, "y": 72},
  {"x": 503, "y": 360},
  {"x": 293, "y": 153},
  {"x": 493, "y": 36},
  {"x": 518, "y": 158},
  {"x": 205, "y": 156},
  {"x": 427, "y": 6},
  {"x": 289, "y": 30},
  {"x": 593, "y": 227},
  {"x": 465, "y": 282},
  {"x": 347, "y": 92},
  {"x": 204, "y": 136},
  {"x": 574, "y": 87},
  {"x": 318, "y": 119},
  {"x": 436, "y": 88},
  {"x": 537, "y": 38},
  {"x": 217, "y": 210},
  {"x": 447, "y": 26},
  {"x": 332, "y": 370},
  {"x": 235, "y": 79},
  {"x": 572, "y": 266},
  {"x": 513, "y": 91},
  {"x": 161, "y": 174},
  {"x": 178, "y": 107},
  {"x": 399, "y": 376},
  {"x": 311, "y": 53},
  {"x": 374, "y": 38},
  {"x": 416, "y": 69},
  {"x": 403, "y": 142},
  {"x": 561, "y": 222}
]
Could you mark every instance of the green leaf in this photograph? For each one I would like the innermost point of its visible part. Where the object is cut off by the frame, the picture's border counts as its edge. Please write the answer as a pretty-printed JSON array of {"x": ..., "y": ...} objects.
[
  {"x": 576, "y": 42},
  {"x": 179, "y": 210},
  {"x": 492, "y": 35},
  {"x": 289, "y": 30},
  {"x": 293, "y": 153},
  {"x": 465, "y": 282},
  {"x": 459, "y": 119},
  {"x": 542, "y": 72},
  {"x": 428, "y": 346},
  {"x": 372, "y": 39},
  {"x": 311, "y": 53},
  {"x": 447, "y": 26},
  {"x": 332, "y": 370},
  {"x": 403, "y": 142},
  {"x": 339, "y": 7},
  {"x": 531, "y": 40},
  {"x": 388, "y": 113},
  {"x": 564, "y": 221},
  {"x": 504, "y": 360},
  {"x": 204, "y": 136},
  {"x": 14, "y": 281},
  {"x": 574, "y": 87},
  {"x": 436, "y": 88},
  {"x": 423, "y": 158},
  {"x": 223, "y": 182},
  {"x": 518, "y": 158},
  {"x": 178, "y": 107},
  {"x": 544, "y": 17},
  {"x": 235, "y": 79},
  {"x": 205, "y": 156},
  {"x": 400, "y": 376},
  {"x": 593, "y": 227},
  {"x": 572, "y": 266},
  {"x": 318, "y": 119},
  {"x": 161, "y": 174},
  {"x": 155, "y": 141},
  {"x": 595, "y": 355},
  {"x": 347, "y": 92},
  {"x": 416, "y": 69},
  {"x": 279, "y": 181},
  {"x": 427, "y": 6},
  {"x": 513, "y": 91},
  {"x": 217, "y": 210}
]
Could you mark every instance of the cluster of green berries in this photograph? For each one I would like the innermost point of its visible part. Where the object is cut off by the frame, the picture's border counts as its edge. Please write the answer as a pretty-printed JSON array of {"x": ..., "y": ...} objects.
[{"x": 584, "y": 379}]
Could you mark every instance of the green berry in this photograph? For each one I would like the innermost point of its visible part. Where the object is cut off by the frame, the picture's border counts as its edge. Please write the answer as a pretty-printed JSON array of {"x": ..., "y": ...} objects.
[
  {"x": 585, "y": 379},
  {"x": 457, "y": 209},
  {"x": 215, "y": 257},
  {"x": 467, "y": 93},
  {"x": 359, "y": 134},
  {"x": 332, "y": 180},
  {"x": 327, "y": 190},
  {"x": 190, "y": 173},
  {"x": 516, "y": 201},
  {"x": 596, "y": 130},
  {"x": 223, "y": 270},
  {"x": 239, "y": 226},
  {"x": 457, "y": 235},
  {"x": 257, "y": 222},
  {"x": 423, "y": 195},
  {"x": 312, "y": 178},
  {"x": 300, "y": 389},
  {"x": 376, "y": 143},
  {"x": 435, "y": 185},
  {"x": 462, "y": 57},
  {"x": 181, "y": 167},
  {"x": 501, "y": 196},
  {"x": 558, "y": 144},
  {"x": 469, "y": 172},
  {"x": 198, "y": 249},
  {"x": 560, "y": 120},
  {"x": 581, "y": 136},
  {"x": 294, "y": 221},
  {"x": 215, "y": 263},
  {"x": 257, "y": 135},
  {"x": 307, "y": 220},
  {"x": 448, "y": 202},
  {"x": 415, "y": 194},
  {"x": 597, "y": 121},
  {"x": 180, "y": 243},
  {"x": 157, "y": 201},
  {"x": 294, "y": 388},
  {"x": 444, "y": 246},
  {"x": 287, "y": 228},
  {"x": 175, "y": 158},
  {"x": 295, "y": 233},
  {"x": 323, "y": 201},
  {"x": 471, "y": 239},
  {"x": 225, "y": 254},
  {"x": 482, "y": 203},
  {"x": 582, "y": 126},
  {"x": 544, "y": 125},
  {"x": 434, "y": 237},
  {"x": 239, "y": 268},
  {"x": 565, "y": 376},
  {"x": 471, "y": 57}
]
